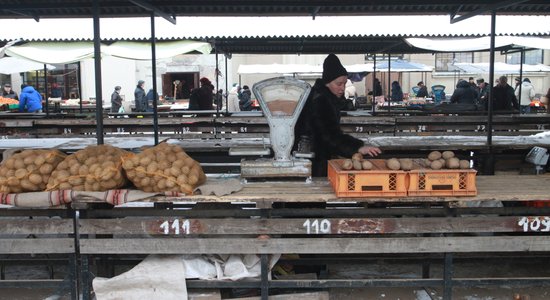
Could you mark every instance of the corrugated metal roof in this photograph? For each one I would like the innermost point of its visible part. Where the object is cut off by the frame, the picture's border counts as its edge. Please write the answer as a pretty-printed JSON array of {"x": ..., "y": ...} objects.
[
  {"x": 272, "y": 27},
  {"x": 118, "y": 8},
  {"x": 345, "y": 34}
]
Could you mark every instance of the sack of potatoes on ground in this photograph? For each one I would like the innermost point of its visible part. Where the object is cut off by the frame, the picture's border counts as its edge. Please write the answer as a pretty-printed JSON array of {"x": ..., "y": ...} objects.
[
  {"x": 164, "y": 168},
  {"x": 94, "y": 168},
  {"x": 28, "y": 171}
]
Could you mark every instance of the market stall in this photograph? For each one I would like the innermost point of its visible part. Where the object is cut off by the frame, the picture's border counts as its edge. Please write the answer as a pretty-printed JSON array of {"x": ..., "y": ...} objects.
[{"x": 97, "y": 229}]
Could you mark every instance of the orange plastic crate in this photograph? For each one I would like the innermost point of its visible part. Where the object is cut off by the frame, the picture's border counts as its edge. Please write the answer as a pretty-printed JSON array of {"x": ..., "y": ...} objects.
[
  {"x": 378, "y": 182},
  {"x": 450, "y": 182}
]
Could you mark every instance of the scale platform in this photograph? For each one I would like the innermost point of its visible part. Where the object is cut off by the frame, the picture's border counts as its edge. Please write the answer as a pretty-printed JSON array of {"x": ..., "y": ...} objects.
[{"x": 267, "y": 167}]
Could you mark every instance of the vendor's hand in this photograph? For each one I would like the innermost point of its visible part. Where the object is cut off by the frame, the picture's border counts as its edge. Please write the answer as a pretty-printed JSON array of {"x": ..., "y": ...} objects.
[{"x": 370, "y": 151}]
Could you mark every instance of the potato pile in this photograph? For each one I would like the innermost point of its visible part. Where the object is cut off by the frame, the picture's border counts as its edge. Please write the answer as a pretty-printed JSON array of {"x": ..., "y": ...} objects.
[
  {"x": 28, "y": 171},
  {"x": 357, "y": 163},
  {"x": 405, "y": 164},
  {"x": 94, "y": 168},
  {"x": 437, "y": 160},
  {"x": 163, "y": 168}
]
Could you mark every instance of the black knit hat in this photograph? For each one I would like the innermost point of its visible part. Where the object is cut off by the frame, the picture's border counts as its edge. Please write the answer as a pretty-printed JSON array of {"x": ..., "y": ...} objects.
[{"x": 332, "y": 68}]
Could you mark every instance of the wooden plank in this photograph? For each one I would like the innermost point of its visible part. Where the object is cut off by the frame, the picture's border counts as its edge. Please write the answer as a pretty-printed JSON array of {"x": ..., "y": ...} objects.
[
  {"x": 490, "y": 188},
  {"x": 297, "y": 296},
  {"x": 316, "y": 245},
  {"x": 16, "y": 123},
  {"x": 181, "y": 227},
  {"x": 37, "y": 246},
  {"x": 36, "y": 226},
  {"x": 202, "y": 294}
]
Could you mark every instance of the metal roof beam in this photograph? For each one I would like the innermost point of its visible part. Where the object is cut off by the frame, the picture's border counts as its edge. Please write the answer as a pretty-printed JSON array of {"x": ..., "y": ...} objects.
[
  {"x": 25, "y": 14},
  {"x": 494, "y": 6},
  {"x": 147, "y": 6}
]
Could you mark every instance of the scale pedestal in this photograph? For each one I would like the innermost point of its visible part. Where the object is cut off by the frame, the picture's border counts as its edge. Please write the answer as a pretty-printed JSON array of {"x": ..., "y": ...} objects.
[{"x": 281, "y": 100}]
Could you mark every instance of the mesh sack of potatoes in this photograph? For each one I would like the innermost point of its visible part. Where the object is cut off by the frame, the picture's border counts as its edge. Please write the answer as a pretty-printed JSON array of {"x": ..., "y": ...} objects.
[
  {"x": 94, "y": 168},
  {"x": 164, "y": 168},
  {"x": 28, "y": 171}
]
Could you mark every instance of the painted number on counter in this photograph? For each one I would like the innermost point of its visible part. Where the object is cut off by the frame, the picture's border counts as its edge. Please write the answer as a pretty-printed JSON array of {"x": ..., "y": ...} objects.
[
  {"x": 317, "y": 226},
  {"x": 175, "y": 228},
  {"x": 535, "y": 224}
]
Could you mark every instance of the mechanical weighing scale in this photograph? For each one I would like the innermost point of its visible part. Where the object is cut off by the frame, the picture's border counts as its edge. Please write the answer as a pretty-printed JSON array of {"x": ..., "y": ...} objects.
[
  {"x": 539, "y": 157},
  {"x": 281, "y": 100}
]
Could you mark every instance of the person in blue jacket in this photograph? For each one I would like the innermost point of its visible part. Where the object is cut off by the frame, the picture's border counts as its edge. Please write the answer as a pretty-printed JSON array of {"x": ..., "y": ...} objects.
[{"x": 30, "y": 100}]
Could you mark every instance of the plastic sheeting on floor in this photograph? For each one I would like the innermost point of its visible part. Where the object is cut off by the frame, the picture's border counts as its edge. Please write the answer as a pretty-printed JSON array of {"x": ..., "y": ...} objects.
[{"x": 163, "y": 276}]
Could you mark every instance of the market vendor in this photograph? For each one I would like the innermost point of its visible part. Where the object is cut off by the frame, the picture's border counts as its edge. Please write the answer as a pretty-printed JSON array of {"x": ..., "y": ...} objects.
[
  {"x": 319, "y": 122},
  {"x": 30, "y": 100},
  {"x": 7, "y": 92}
]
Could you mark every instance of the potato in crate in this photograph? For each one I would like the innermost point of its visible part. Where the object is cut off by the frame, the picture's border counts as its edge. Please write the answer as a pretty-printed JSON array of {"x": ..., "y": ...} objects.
[{"x": 379, "y": 181}]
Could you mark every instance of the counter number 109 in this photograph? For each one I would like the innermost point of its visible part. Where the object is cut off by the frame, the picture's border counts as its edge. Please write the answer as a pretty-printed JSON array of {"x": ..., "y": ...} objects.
[{"x": 536, "y": 224}]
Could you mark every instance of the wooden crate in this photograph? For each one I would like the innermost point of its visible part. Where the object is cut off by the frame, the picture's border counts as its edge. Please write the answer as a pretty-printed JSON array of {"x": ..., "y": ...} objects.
[
  {"x": 378, "y": 182},
  {"x": 448, "y": 182}
]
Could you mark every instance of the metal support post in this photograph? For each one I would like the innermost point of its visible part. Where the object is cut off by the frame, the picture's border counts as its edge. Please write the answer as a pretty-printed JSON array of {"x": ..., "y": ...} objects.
[
  {"x": 154, "y": 74},
  {"x": 448, "y": 277},
  {"x": 72, "y": 276},
  {"x": 77, "y": 275},
  {"x": 85, "y": 277},
  {"x": 97, "y": 70},
  {"x": 373, "y": 102},
  {"x": 264, "y": 260},
  {"x": 426, "y": 268},
  {"x": 490, "y": 161}
]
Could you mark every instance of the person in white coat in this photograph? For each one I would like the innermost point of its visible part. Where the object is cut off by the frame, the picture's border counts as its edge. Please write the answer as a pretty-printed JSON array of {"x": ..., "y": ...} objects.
[
  {"x": 350, "y": 92},
  {"x": 233, "y": 99},
  {"x": 527, "y": 94}
]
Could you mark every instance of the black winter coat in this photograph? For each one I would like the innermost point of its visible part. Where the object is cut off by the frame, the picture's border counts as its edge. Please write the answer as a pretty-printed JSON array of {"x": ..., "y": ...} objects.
[
  {"x": 464, "y": 94},
  {"x": 206, "y": 97},
  {"x": 141, "y": 100},
  {"x": 116, "y": 102},
  {"x": 422, "y": 92},
  {"x": 320, "y": 121},
  {"x": 504, "y": 98},
  {"x": 245, "y": 100}
]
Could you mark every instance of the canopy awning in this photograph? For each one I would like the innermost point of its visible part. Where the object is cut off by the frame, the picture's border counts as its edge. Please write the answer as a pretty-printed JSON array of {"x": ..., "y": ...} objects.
[
  {"x": 478, "y": 44},
  {"x": 382, "y": 66},
  {"x": 142, "y": 50},
  {"x": 69, "y": 52},
  {"x": 500, "y": 68},
  {"x": 10, "y": 65},
  {"x": 402, "y": 66},
  {"x": 279, "y": 69}
]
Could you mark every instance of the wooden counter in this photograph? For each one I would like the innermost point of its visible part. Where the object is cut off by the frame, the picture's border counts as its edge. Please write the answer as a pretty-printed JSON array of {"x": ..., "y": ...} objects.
[{"x": 490, "y": 188}]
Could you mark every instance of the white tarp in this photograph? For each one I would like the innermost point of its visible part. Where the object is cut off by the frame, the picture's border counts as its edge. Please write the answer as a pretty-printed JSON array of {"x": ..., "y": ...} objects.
[
  {"x": 396, "y": 66},
  {"x": 52, "y": 53},
  {"x": 68, "y": 52},
  {"x": 10, "y": 65},
  {"x": 279, "y": 69},
  {"x": 142, "y": 50},
  {"x": 500, "y": 68},
  {"x": 163, "y": 276},
  {"x": 156, "y": 277},
  {"x": 477, "y": 44}
]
